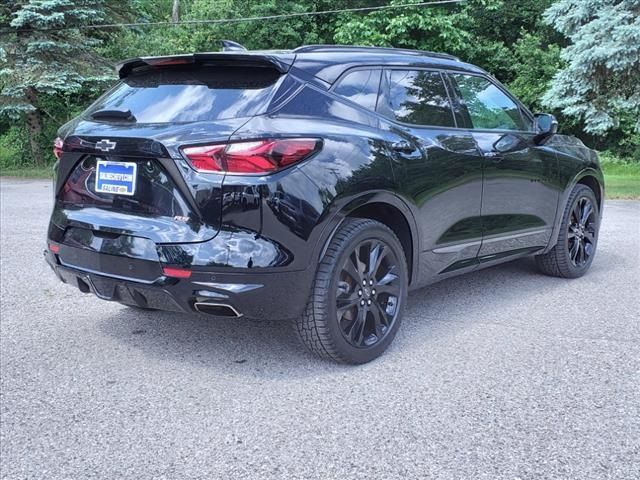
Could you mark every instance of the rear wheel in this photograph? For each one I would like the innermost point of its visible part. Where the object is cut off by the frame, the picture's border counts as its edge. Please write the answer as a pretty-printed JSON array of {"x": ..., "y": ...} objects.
[
  {"x": 577, "y": 239},
  {"x": 358, "y": 296}
]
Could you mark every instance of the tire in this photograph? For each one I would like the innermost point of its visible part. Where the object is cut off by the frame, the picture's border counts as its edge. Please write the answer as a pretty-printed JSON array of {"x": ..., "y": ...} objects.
[
  {"x": 575, "y": 237},
  {"x": 346, "y": 334}
]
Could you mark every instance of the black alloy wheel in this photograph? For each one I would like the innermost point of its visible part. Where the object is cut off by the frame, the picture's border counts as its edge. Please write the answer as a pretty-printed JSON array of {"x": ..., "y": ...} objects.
[
  {"x": 357, "y": 300},
  {"x": 575, "y": 249},
  {"x": 582, "y": 232},
  {"x": 368, "y": 293}
]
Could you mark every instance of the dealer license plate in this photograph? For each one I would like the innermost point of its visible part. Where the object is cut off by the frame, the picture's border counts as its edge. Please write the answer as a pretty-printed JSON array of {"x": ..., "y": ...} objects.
[{"x": 116, "y": 177}]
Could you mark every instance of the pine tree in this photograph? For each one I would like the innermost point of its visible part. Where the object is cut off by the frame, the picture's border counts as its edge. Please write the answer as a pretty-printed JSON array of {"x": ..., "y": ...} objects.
[
  {"x": 40, "y": 55},
  {"x": 600, "y": 83}
]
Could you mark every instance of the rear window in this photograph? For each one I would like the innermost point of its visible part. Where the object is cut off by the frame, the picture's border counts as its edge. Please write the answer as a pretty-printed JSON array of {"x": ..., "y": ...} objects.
[{"x": 191, "y": 94}]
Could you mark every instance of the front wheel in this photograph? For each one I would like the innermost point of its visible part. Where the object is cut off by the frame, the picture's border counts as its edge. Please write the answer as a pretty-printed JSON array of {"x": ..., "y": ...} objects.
[
  {"x": 358, "y": 296},
  {"x": 578, "y": 237}
]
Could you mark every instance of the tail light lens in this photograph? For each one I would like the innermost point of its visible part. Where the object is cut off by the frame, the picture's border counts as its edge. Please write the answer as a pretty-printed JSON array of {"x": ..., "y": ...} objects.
[
  {"x": 260, "y": 156},
  {"x": 57, "y": 147}
]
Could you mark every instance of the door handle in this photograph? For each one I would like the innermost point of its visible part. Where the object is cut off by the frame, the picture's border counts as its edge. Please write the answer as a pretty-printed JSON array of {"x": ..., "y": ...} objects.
[
  {"x": 403, "y": 147},
  {"x": 495, "y": 157}
]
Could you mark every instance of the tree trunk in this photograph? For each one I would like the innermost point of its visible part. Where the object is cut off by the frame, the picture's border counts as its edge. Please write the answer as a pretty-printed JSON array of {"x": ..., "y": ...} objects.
[
  {"x": 175, "y": 12},
  {"x": 34, "y": 127}
]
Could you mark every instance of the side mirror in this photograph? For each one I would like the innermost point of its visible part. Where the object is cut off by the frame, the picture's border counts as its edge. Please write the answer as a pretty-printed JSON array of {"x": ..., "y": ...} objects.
[
  {"x": 508, "y": 143},
  {"x": 546, "y": 127}
]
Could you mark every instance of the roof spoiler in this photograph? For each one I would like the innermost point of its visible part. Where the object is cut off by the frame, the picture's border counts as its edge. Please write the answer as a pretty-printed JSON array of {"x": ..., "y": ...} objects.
[{"x": 281, "y": 62}]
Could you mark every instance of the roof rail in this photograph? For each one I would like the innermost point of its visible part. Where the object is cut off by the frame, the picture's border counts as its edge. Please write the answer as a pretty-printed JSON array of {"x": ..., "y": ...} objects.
[{"x": 363, "y": 48}]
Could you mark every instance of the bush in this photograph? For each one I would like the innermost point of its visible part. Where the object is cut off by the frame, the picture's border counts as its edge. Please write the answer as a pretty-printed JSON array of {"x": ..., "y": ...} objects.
[
  {"x": 609, "y": 159},
  {"x": 14, "y": 148}
]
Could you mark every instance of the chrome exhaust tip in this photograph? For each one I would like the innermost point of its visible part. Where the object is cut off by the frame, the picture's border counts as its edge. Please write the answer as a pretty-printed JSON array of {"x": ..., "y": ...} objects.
[{"x": 217, "y": 309}]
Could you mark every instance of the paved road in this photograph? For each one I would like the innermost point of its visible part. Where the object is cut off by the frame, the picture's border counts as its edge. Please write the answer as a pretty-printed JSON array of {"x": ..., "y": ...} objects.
[{"x": 500, "y": 374}]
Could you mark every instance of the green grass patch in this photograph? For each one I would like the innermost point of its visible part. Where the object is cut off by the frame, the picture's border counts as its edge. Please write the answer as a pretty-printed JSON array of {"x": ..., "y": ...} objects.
[
  {"x": 28, "y": 172},
  {"x": 622, "y": 180}
]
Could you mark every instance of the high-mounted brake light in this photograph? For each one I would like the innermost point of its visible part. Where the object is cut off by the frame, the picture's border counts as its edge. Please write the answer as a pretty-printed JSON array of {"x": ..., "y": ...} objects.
[
  {"x": 58, "y": 143},
  {"x": 161, "y": 62},
  {"x": 259, "y": 156}
]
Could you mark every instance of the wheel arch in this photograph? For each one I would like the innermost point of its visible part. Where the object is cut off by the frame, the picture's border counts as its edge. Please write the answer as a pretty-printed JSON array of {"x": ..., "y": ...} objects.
[
  {"x": 589, "y": 177},
  {"x": 594, "y": 184},
  {"x": 388, "y": 209}
]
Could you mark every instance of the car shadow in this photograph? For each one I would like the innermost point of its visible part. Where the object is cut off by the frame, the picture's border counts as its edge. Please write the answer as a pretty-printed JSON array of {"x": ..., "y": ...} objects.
[{"x": 267, "y": 348}]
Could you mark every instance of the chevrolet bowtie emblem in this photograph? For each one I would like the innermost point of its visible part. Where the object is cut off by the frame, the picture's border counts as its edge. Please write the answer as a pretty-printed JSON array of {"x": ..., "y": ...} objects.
[{"x": 105, "y": 145}]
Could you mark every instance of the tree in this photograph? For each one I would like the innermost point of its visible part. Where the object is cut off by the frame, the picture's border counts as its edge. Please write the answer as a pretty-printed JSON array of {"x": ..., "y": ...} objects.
[
  {"x": 536, "y": 62},
  {"x": 38, "y": 57},
  {"x": 599, "y": 83},
  {"x": 497, "y": 28},
  {"x": 422, "y": 28},
  {"x": 175, "y": 11}
]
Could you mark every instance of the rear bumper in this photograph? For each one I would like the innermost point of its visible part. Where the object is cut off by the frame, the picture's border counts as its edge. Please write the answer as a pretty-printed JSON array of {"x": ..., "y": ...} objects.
[{"x": 264, "y": 295}]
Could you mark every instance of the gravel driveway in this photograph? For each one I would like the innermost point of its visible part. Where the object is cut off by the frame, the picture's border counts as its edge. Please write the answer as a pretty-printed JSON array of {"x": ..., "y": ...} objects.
[{"x": 503, "y": 373}]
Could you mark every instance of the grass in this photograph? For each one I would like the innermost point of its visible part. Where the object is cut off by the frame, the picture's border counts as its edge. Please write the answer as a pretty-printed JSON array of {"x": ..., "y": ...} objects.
[
  {"x": 28, "y": 172},
  {"x": 622, "y": 180}
]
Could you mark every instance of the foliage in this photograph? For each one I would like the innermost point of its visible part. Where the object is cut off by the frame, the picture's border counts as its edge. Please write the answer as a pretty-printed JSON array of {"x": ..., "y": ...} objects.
[
  {"x": 599, "y": 83},
  {"x": 534, "y": 67},
  {"x": 62, "y": 71},
  {"x": 435, "y": 29},
  {"x": 14, "y": 145},
  {"x": 39, "y": 59},
  {"x": 48, "y": 62}
]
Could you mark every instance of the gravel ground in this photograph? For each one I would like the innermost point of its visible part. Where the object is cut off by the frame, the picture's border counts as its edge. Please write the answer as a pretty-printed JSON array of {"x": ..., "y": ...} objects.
[{"x": 503, "y": 373}]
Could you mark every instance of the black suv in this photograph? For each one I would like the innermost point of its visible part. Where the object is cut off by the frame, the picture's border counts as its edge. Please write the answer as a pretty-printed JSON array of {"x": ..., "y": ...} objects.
[{"x": 318, "y": 184}]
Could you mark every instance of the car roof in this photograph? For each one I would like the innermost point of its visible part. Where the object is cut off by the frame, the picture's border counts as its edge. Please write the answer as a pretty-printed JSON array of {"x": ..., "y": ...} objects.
[
  {"x": 328, "y": 62},
  {"x": 325, "y": 62}
]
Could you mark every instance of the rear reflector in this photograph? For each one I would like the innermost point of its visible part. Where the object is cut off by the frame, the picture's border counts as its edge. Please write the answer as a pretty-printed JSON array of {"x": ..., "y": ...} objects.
[
  {"x": 176, "y": 272},
  {"x": 255, "y": 157}
]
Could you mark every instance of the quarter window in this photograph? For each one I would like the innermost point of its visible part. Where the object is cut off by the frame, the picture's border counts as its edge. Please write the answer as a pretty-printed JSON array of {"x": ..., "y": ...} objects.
[
  {"x": 418, "y": 97},
  {"x": 361, "y": 87},
  {"x": 488, "y": 106}
]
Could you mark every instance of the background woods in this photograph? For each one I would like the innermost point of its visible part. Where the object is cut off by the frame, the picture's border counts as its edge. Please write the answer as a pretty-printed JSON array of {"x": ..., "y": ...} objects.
[{"x": 579, "y": 59}]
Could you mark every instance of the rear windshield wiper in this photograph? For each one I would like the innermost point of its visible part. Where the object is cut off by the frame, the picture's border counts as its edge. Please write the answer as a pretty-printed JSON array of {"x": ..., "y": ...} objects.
[{"x": 124, "y": 115}]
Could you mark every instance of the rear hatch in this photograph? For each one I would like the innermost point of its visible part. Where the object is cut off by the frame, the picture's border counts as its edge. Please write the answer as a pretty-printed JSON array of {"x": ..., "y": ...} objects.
[{"x": 121, "y": 170}]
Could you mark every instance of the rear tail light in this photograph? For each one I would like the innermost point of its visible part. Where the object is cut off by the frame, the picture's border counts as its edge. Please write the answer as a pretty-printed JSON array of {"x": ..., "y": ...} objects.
[
  {"x": 259, "y": 156},
  {"x": 58, "y": 143}
]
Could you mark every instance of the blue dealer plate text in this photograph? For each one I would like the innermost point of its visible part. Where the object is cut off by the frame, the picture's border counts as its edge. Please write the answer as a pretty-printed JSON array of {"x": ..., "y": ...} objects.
[{"x": 116, "y": 177}]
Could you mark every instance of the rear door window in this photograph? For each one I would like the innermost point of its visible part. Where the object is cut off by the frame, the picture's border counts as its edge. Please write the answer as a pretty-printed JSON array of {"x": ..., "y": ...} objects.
[
  {"x": 418, "y": 97},
  {"x": 487, "y": 105},
  {"x": 361, "y": 87},
  {"x": 191, "y": 94}
]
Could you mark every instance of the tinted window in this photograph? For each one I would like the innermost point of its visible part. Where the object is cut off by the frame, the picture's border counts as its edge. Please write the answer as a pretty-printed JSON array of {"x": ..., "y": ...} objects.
[
  {"x": 361, "y": 87},
  {"x": 190, "y": 95},
  {"x": 418, "y": 97},
  {"x": 488, "y": 106}
]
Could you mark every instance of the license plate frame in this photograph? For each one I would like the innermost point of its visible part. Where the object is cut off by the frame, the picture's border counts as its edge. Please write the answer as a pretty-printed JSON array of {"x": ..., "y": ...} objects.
[{"x": 117, "y": 178}]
